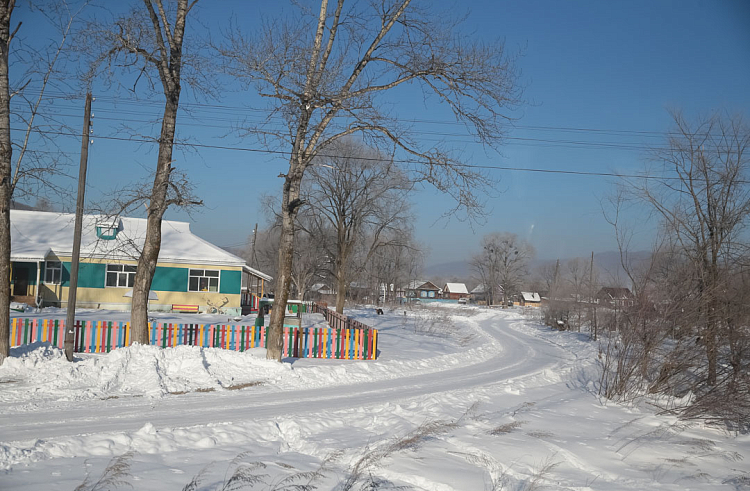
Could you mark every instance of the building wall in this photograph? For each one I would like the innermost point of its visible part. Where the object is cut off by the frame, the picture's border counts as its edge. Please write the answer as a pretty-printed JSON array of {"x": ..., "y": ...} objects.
[
  {"x": 427, "y": 294},
  {"x": 454, "y": 296},
  {"x": 170, "y": 284}
]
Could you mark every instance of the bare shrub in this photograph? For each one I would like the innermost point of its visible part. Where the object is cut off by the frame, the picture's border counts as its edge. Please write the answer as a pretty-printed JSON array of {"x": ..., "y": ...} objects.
[
  {"x": 115, "y": 475},
  {"x": 506, "y": 428},
  {"x": 244, "y": 386},
  {"x": 240, "y": 474},
  {"x": 540, "y": 474},
  {"x": 360, "y": 472}
]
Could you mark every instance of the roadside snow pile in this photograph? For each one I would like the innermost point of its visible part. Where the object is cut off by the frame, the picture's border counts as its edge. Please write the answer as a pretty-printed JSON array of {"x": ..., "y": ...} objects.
[
  {"x": 38, "y": 375},
  {"x": 44, "y": 374}
]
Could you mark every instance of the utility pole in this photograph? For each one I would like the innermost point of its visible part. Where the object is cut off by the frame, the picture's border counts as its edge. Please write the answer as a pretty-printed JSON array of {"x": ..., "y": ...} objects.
[
  {"x": 72, "y": 290},
  {"x": 591, "y": 296},
  {"x": 253, "y": 259}
]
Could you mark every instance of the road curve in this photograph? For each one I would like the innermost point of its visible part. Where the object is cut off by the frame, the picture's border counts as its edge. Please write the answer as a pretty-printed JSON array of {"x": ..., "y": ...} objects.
[{"x": 518, "y": 355}]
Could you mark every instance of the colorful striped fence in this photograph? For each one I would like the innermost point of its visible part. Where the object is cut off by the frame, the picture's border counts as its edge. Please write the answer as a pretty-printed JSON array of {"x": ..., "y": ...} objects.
[{"x": 104, "y": 336}]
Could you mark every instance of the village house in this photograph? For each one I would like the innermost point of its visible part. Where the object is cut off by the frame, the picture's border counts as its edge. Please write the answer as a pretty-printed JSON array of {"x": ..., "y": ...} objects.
[
  {"x": 455, "y": 291},
  {"x": 191, "y": 274},
  {"x": 615, "y": 297},
  {"x": 422, "y": 290},
  {"x": 479, "y": 295},
  {"x": 529, "y": 299}
]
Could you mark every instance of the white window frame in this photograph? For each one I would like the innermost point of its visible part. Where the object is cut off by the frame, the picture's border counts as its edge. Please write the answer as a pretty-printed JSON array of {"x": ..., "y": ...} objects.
[
  {"x": 123, "y": 276},
  {"x": 194, "y": 273},
  {"x": 50, "y": 266}
]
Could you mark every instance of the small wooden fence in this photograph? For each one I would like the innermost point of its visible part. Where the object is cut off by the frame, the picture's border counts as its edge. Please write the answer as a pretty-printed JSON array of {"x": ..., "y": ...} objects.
[
  {"x": 336, "y": 320},
  {"x": 104, "y": 336}
]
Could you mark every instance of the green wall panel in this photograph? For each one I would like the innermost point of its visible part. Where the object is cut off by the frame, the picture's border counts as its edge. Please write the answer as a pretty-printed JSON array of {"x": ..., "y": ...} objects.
[
  {"x": 66, "y": 274},
  {"x": 170, "y": 279},
  {"x": 91, "y": 275},
  {"x": 231, "y": 282}
]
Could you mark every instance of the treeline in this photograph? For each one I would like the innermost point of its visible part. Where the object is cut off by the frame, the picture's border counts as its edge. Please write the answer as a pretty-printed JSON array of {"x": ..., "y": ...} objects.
[{"x": 682, "y": 333}]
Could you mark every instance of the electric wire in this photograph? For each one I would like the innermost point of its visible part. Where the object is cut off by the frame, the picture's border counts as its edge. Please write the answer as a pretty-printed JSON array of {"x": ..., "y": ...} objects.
[{"x": 402, "y": 161}]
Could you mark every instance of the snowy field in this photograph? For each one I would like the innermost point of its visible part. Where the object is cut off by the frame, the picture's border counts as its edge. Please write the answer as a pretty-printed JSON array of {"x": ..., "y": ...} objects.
[{"x": 459, "y": 399}]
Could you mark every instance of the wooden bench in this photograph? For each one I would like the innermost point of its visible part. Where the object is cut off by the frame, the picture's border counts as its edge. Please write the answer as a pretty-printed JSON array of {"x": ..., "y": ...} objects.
[{"x": 185, "y": 309}]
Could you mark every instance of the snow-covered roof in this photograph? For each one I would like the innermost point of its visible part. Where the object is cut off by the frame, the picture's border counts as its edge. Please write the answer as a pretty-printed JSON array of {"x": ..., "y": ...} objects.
[
  {"x": 34, "y": 234},
  {"x": 414, "y": 284},
  {"x": 479, "y": 289},
  {"x": 423, "y": 285},
  {"x": 530, "y": 297},
  {"x": 255, "y": 272},
  {"x": 456, "y": 288}
]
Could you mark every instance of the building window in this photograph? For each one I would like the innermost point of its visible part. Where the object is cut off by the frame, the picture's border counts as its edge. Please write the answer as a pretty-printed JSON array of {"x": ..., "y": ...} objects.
[
  {"x": 203, "y": 280},
  {"x": 106, "y": 233},
  {"x": 120, "y": 275},
  {"x": 52, "y": 272},
  {"x": 106, "y": 229}
]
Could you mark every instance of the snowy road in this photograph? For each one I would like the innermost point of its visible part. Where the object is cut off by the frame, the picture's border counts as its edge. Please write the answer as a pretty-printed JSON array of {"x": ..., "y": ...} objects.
[
  {"x": 519, "y": 401},
  {"x": 518, "y": 355}
]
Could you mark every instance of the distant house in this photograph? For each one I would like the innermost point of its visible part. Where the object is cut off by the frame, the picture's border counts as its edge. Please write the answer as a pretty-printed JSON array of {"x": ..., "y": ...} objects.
[
  {"x": 529, "y": 299},
  {"x": 478, "y": 294},
  {"x": 422, "y": 289},
  {"x": 481, "y": 295},
  {"x": 454, "y": 291},
  {"x": 322, "y": 289},
  {"x": 615, "y": 297},
  {"x": 190, "y": 271}
]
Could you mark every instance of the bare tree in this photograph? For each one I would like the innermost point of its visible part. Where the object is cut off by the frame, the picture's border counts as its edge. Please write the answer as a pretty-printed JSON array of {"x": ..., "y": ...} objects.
[
  {"x": 685, "y": 330},
  {"x": 389, "y": 267},
  {"x": 701, "y": 193},
  {"x": 327, "y": 74},
  {"x": 361, "y": 198},
  {"x": 149, "y": 40},
  {"x": 503, "y": 261},
  {"x": 38, "y": 155},
  {"x": 310, "y": 262},
  {"x": 578, "y": 278},
  {"x": 266, "y": 252},
  {"x": 30, "y": 173},
  {"x": 6, "y": 155},
  {"x": 486, "y": 269}
]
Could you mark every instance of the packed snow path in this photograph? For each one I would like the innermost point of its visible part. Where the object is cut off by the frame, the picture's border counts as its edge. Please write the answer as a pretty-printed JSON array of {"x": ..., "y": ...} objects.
[
  {"x": 517, "y": 401},
  {"x": 517, "y": 355}
]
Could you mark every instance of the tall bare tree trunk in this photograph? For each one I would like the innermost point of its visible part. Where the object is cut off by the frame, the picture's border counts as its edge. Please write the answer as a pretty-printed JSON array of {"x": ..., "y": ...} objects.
[
  {"x": 169, "y": 66},
  {"x": 712, "y": 325},
  {"x": 340, "y": 286},
  {"x": 152, "y": 245},
  {"x": 289, "y": 207},
  {"x": 6, "y": 153}
]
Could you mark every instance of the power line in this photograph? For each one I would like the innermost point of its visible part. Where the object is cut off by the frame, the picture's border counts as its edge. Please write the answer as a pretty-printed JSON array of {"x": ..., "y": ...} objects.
[
  {"x": 454, "y": 136},
  {"x": 236, "y": 109},
  {"x": 403, "y": 161}
]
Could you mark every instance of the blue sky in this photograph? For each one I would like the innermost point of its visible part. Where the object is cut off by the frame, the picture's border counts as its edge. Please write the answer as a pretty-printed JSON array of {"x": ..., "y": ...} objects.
[{"x": 611, "y": 67}]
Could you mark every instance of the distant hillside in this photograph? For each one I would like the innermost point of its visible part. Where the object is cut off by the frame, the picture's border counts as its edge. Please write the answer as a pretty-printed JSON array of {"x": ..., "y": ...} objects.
[{"x": 458, "y": 269}]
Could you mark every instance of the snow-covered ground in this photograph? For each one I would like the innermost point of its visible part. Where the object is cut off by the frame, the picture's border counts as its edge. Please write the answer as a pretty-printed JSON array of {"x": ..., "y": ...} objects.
[{"x": 459, "y": 399}]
